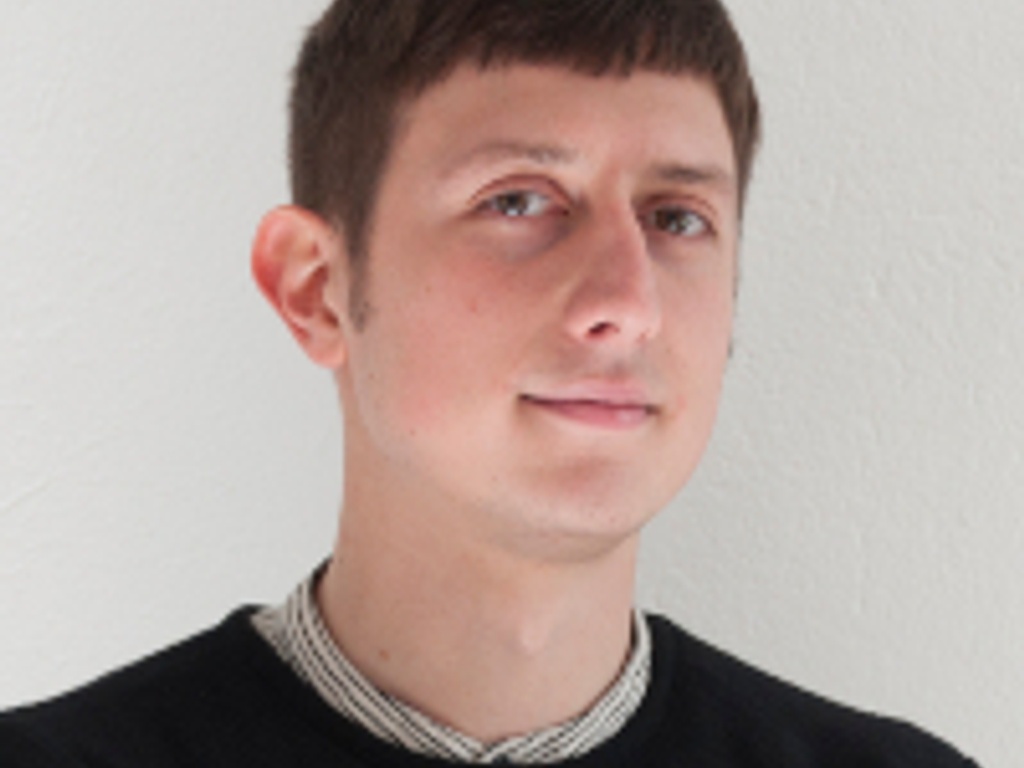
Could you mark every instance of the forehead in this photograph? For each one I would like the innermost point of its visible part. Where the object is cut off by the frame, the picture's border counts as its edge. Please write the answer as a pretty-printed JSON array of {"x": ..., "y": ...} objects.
[{"x": 559, "y": 115}]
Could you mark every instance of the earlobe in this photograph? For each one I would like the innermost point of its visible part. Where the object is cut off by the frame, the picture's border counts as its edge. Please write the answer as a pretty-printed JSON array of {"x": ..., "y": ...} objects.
[{"x": 297, "y": 261}]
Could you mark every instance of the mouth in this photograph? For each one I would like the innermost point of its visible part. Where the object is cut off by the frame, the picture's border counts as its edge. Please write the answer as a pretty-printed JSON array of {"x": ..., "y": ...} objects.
[{"x": 609, "y": 413}]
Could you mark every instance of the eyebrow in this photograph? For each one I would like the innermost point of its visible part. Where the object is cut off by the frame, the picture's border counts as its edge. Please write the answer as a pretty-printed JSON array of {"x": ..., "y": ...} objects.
[
  {"x": 554, "y": 154},
  {"x": 697, "y": 175},
  {"x": 494, "y": 151}
]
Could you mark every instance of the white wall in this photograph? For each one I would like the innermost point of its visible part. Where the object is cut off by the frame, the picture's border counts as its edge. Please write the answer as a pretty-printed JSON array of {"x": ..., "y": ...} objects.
[{"x": 165, "y": 453}]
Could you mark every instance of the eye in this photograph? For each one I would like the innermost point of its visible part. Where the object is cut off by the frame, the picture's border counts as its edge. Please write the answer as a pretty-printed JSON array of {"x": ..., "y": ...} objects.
[
  {"x": 519, "y": 204},
  {"x": 681, "y": 222}
]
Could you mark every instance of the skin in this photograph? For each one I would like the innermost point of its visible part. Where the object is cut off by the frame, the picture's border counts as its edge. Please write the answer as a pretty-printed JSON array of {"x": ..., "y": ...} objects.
[{"x": 552, "y": 263}]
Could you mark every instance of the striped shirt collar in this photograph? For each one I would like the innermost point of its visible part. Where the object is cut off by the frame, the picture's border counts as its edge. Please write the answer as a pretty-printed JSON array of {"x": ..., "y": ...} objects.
[{"x": 297, "y": 632}]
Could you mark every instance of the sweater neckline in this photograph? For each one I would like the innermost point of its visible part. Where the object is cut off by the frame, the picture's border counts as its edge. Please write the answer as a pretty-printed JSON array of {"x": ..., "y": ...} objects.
[{"x": 301, "y": 702}]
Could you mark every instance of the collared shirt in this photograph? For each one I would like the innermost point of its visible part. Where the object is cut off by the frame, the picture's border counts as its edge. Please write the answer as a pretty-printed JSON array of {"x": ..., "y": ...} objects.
[{"x": 297, "y": 632}]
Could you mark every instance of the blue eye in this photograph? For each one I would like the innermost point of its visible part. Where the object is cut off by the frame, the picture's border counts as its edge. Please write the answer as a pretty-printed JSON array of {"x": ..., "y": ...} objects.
[
  {"x": 681, "y": 222},
  {"x": 519, "y": 204}
]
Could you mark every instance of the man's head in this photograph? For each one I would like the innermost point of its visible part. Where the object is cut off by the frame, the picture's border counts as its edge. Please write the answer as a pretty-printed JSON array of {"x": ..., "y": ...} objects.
[
  {"x": 365, "y": 61},
  {"x": 545, "y": 229}
]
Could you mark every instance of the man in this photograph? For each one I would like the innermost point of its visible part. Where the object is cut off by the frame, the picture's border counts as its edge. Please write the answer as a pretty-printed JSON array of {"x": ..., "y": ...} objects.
[{"x": 514, "y": 244}]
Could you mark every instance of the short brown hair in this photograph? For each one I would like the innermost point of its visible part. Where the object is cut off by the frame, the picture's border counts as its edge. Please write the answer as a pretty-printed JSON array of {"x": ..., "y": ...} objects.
[{"x": 365, "y": 59}]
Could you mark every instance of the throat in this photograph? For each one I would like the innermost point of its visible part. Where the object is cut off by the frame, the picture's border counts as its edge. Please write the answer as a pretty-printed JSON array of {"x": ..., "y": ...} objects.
[{"x": 517, "y": 651}]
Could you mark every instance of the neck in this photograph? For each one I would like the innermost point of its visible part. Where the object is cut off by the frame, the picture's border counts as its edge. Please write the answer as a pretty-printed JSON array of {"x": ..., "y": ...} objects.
[{"x": 520, "y": 643}]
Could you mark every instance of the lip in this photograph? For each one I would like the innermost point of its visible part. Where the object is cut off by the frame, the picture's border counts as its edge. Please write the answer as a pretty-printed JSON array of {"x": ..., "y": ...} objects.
[{"x": 599, "y": 405}]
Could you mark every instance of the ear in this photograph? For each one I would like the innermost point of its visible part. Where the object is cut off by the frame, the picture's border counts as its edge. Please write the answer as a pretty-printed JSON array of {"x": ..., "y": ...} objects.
[{"x": 300, "y": 265}]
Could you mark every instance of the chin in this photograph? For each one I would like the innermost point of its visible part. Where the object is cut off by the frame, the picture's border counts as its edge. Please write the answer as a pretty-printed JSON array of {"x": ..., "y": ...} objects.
[
  {"x": 574, "y": 530},
  {"x": 570, "y": 547}
]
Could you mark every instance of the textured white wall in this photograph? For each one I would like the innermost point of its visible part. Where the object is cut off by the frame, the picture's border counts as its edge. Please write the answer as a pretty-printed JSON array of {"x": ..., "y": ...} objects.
[{"x": 165, "y": 454}]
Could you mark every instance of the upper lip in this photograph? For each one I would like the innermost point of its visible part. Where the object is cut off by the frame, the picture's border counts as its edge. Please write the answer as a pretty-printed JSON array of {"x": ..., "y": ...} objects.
[{"x": 608, "y": 393}]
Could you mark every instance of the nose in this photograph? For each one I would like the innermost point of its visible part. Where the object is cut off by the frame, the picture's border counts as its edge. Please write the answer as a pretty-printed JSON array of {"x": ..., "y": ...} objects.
[{"x": 615, "y": 300}]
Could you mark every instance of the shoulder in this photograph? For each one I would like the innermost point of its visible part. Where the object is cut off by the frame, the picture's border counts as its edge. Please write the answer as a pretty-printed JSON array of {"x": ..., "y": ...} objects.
[
  {"x": 729, "y": 705},
  {"x": 132, "y": 714}
]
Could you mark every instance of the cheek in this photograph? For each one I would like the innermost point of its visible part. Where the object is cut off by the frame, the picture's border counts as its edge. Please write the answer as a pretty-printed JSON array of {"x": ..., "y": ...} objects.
[
  {"x": 434, "y": 353},
  {"x": 719, "y": 315},
  {"x": 704, "y": 315},
  {"x": 698, "y": 336}
]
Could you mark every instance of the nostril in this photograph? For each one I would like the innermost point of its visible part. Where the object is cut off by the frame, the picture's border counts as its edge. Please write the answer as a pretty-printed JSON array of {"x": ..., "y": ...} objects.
[{"x": 603, "y": 328}]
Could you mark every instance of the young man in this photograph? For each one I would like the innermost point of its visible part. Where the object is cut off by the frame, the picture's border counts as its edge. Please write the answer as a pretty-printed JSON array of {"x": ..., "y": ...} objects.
[{"x": 514, "y": 244}]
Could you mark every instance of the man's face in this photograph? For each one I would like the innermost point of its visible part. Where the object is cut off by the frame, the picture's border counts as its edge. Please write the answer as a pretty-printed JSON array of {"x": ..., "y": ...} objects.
[{"x": 551, "y": 273}]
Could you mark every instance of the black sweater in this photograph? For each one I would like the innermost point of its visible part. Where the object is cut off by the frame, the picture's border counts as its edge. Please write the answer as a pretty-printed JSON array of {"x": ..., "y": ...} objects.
[{"x": 225, "y": 699}]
